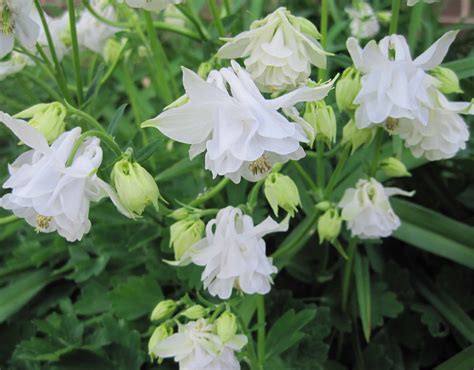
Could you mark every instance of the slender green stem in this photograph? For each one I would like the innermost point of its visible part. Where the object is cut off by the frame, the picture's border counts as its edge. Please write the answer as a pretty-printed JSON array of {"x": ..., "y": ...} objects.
[
  {"x": 394, "y": 19},
  {"x": 337, "y": 172},
  {"x": 228, "y": 8},
  {"x": 211, "y": 193},
  {"x": 103, "y": 19},
  {"x": 131, "y": 92},
  {"x": 75, "y": 51},
  {"x": 188, "y": 13},
  {"x": 261, "y": 330},
  {"x": 103, "y": 136},
  {"x": 250, "y": 347},
  {"x": 176, "y": 29},
  {"x": 320, "y": 164},
  {"x": 217, "y": 17},
  {"x": 416, "y": 18},
  {"x": 8, "y": 220},
  {"x": 252, "y": 199},
  {"x": 91, "y": 120},
  {"x": 346, "y": 275},
  {"x": 324, "y": 33},
  {"x": 375, "y": 156},
  {"x": 305, "y": 176},
  {"x": 39, "y": 82}
]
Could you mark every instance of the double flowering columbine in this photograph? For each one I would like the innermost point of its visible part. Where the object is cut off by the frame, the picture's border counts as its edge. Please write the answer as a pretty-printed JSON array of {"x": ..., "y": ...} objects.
[
  {"x": 152, "y": 5},
  {"x": 364, "y": 22},
  {"x": 47, "y": 193},
  {"x": 242, "y": 133},
  {"x": 233, "y": 253},
  {"x": 278, "y": 50},
  {"x": 367, "y": 210},
  {"x": 16, "y": 21}
]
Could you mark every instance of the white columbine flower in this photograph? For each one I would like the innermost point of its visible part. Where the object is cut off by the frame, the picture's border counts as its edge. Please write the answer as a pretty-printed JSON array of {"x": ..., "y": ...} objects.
[
  {"x": 16, "y": 21},
  {"x": 278, "y": 50},
  {"x": 196, "y": 346},
  {"x": 242, "y": 133},
  {"x": 393, "y": 85},
  {"x": 364, "y": 23},
  {"x": 59, "y": 29},
  {"x": 367, "y": 210},
  {"x": 151, "y": 5},
  {"x": 13, "y": 65},
  {"x": 413, "y": 2},
  {"x": 45, "y": 192}
]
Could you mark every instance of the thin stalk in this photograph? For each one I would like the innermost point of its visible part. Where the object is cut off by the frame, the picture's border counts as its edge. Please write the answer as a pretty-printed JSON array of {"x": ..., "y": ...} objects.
[
  {"x": 132, "y": 96},
  {"x": 394, "y": 19},
  {"x": 103, "y": 19},
  {"x": 261, "y": 330},
  {"x": 91, "y": 120},
  {"x": 305, "y": 176},
  {"x": 43, "y": 85},
  {"x": 337, "y": 172},
  {"x": 75, "y": 51},
  {"x": 8, "y": 220},
  {"x": 211, "y": 193},
  {"x": 416, "y": 17},
  {"x": 228, "y": 8},
  {"x": 324, "y": 33},
  {"x": 176, "y": 29},
  {"x": 217, "y": 17},
  {"x": 188, "y": 13},
  {"x": 320, "y": 165},
  {"x": 252, "y": 199},
  {"x": 346, "y": 275},
  {"x": 250, "y": 348},
  {"x": 103, "y": 136},
  {"x": 375, "y": 156}
]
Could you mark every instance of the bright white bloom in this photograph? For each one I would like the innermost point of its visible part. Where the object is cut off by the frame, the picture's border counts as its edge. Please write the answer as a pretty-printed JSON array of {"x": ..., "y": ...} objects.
[
  {"x": 279, "y": 50},
  {"x": 59, "y": 29},
  {"x": 152, "y": 5},
  {"x": 364, "y": 23},
  {"x": 45, "y": 192},
  {"x": 196, "y": 346},
  {"x": 233, "y": 253},
  {"x": 394, "y": 85},
  {"x": 16, "y": 21},
  {"x": 367, "y": 210},
  {"x": 13, "y": 65},
  {"x": 242, "y": 133},
  {"x": 92, "y": 34},
  {"x": 413, "y": 2}
]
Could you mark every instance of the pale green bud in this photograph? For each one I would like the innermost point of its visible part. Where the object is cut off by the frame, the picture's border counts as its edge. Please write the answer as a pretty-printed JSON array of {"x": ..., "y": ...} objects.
[
  {"x": 329, "y": 225},
  {"x": 48, "y": 119},
  {"x": 179, "y": 214},
  {"x": 159, "y": 334},
  {"x": 384, "y": 17},
  {"x": 204, "y": 69},
  {"x": 226, "y": 326},
  {"x": 322, "y": 118},
  {"x": 355, "y": 136},
  {"x": 347, "y": 88},
  {"x": 194, "y": 312},
  {"x": 163, "y": 309},
  {"x": 392, "y": 167},
  {"x": 305, "y": 26},
  {"x": 184, "y": 233},
  {"x": 112, "y": 50},
  {"x": 449, "y": 81},
  {"x": 323, "y": 206},
  {"x": 281, "y": 191},
  {"x": 136, "y": 188}
]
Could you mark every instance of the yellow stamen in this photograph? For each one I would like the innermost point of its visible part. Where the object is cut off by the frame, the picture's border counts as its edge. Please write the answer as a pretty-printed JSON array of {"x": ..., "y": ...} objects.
[{"x": 260, "y": 166}]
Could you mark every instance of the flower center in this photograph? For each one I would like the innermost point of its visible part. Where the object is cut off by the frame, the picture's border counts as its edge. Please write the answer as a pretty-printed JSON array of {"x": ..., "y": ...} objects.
[
  {"x": 7, "y": 25},
  {"x": 260, "y": 166},
  {"x": 391, "y": 124},
  {"x": 43, "y": 222}
]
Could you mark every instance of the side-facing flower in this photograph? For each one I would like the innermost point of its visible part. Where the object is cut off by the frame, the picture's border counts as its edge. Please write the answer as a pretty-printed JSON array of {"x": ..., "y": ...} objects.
[
  {"x": 242, "y": 133},
  {"x": 14, "y": 64},
  {"x": 16, "y": 21},
  {"x": 364, "y": 22},
  {"x": 367, "y": 210},
  {"x": 50, "y": 195},
  {"x": 278, "y": 50},
  {"x": 152, "y": 5}
]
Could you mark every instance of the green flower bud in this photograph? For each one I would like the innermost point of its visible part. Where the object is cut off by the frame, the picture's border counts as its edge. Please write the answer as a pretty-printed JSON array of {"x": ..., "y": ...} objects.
[
  {"x": 322, "y": 118},
  {"x": 323, "y": 206},
  {"x": 163, "y": 309},
  {"x": 184, "y": 233},
  {"x": 329, "y": 225},
  {"x": 159, "y": 334},
  {"x": 347, "y": 89},
  {"x": 226, "y": 326},
  {"x": 194, "y": 312},
  {"x": 305, "y": 26},
  {"x": 112, "y": 50},
  {"x": 179, "y": 214},
  {"x": 48, "y": 119},
  {"x": 205, "y": 68},
  {"x": 384, "y": 17},
  {"x": 281, "y": 191},
  {"x": 136, "y": 188},
  {"x": 392, "y": 167},
  {"x": 355, "y": 136},
  {"x": 449, "y": 81}
]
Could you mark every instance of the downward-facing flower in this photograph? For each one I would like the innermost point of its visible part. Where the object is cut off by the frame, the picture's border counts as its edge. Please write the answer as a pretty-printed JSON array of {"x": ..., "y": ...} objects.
[
  {"x": 242, "y": 133},
  {"x": 15, "y": 63},
  {"x": 393, "y": 85},
  {"x": 364, "y": 22},
  {"x": 16, "y": 21},
  {"x": 278, "y": 50},
  {"x": 47, "y": 193},
  {"x": 233, "y": 253},
  {"x": 151, "y": 5},
  {"x": 197, "y": 346},
  {"x": 367, "y": 210}
]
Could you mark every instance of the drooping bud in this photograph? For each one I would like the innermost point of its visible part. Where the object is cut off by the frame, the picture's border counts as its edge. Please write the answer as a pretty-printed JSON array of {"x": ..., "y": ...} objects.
[
  {"x": 159, "y": 334},
  {"x": 163, "y": 309},
  {"x": 226, "y": 326},
  {"x": 329, "y": 225},
  {"x": 322, "y": 118},
  {"x": 449, "y": 81},
  {"x": 305, "y": 26},
  {"x": 184, "y": 233},
  {"x": 194, "y": 312},
  {"x": 48, "y": 119},
  {"x": 392, "y": 167},
  {"x": 282, "y": 192},
  {"x": 323, "y": 206},
  {"x": 179, "y": 214},
  {"x": 135, "y": 186},
  {"x": 355, "y": 136},
  {"x": 347, "y": 88}
]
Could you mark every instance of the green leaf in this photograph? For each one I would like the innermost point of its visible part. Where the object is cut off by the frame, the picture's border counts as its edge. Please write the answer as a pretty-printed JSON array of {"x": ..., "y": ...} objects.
[
  {"x": 463, "y": 360},
  {"x": 384, "y": 304},
  {"x": 462, "y": 67},
  {"x": 92, "y": 90},
  {"x": 362, "y": 280},
  {"x": 113, "y": 125},
  {"x": 146, "y": 152}
]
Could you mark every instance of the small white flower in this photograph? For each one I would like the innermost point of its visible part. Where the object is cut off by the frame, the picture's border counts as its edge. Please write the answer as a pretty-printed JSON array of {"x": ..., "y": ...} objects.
[
  {"x": 364, "y": 23},
  {"x": 393, "y": 85},
  {"x": 45, "y": 192},
  {"x": 196, "y": 346},
  {"x": 13, "y": 65},
  {"x": 16, "y": 21},
  {"x": 278, "y": 50},
  {"x": 367, "y": 210},
  {"x": 242, "y": 133},
  {"x": 151, "y": 5},
  {"x": 413, "y": 2}
]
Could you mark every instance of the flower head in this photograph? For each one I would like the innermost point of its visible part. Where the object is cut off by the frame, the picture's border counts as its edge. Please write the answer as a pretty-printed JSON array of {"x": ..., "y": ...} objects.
[{"x": 184, "y": 233}]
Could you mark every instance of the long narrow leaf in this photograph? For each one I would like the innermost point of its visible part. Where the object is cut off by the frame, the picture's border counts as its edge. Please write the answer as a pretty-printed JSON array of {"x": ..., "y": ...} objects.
[{"x": 362, "y": 280}]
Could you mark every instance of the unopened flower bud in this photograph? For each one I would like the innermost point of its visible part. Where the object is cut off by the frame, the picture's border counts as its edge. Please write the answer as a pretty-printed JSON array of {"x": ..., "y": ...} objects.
[
  {"x": 136, "y": 188},
  {"x": 184, "y": 233},
  {"x": 329, "y": 225},
  {"x": 449, "y": 81},
  {"x": 281, "y": 191},
  {"x": 322, "y": 118},
  {"x": 159, "y": 334},
  {"x": 323, "y": 206},
  {"x": 226, "y": 326},
  {"x": 384, "y": 17},
  {"x": 355, "y": 136},
  {"x": 392, "y": 167},
  {"x": 347, "y": 89},
  {"x": 112, "y": 51},
  {"x": 194, "y": 312},
  {"x": 163, "y": 309},
  {"x": 48, "y": 119},
  {"x": 205, "y": 68},
  {"x": 179, "y": 214}
]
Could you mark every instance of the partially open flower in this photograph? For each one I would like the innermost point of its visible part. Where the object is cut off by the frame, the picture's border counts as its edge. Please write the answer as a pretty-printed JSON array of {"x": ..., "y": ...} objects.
[
  {"x": 448, "y": 80},
  {"x": 357, "y": 137},
  {"x": 329, "y": 225},
  {"x": 163, "y": 309},
  {"x": 347, "y": 88},
  {"x": 159, "y": 334},
  {"x": 392, "y": 167},
  {"x": 322, "y": 118},
  {"x": 281, "y": 191},
  {"x": 184, "y": 233}
]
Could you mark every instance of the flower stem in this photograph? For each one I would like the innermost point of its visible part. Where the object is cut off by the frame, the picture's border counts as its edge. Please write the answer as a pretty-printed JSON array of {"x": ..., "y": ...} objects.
[
  {"x": 8, "y": 219},
  {"x": 211, "y": 193},
  {"x": 416, "y": 17},
  {"x": 346, "y": 275},
  {"x": 337, "y": 172},
  {"x": 176, "y": 29},
  {"x": 75, "y": 51},
  {"x": 320, "y": 165},
  {"x": 91, "y": 120},
  {"x": 395, "y": 14},
  {"x": 375, "y": 156},
  {"x": 188, "y": 13},
  {"x": 261, "y": 330},
  {"x": 217, "y": 18},
  {"x": 324, "y": 33}
]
